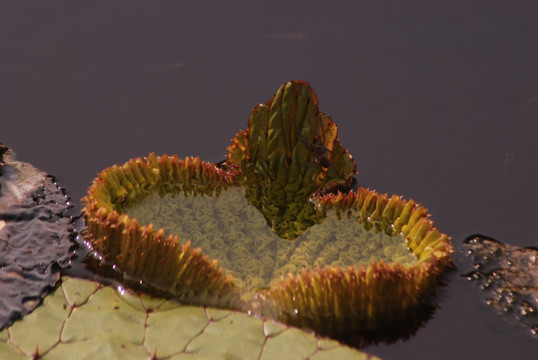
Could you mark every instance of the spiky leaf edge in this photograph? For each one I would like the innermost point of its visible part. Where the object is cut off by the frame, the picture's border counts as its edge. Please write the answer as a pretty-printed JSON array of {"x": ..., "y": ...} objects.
[
  {"x": 366, "y": 303},
  {"x": 142, "y": 253}
]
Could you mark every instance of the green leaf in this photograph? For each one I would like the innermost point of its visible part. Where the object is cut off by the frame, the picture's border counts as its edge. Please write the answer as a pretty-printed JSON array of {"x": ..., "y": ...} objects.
[
  {"x": 355, "y": 265},
  {"x": 86, "y": 320},
  {"x": 39, "y": 330},
  {"x": 295, "y": 340},
  {"x": 107, "y": 314},
  {"x": 303, "y": 156},
  {"x": 167, "y": 334}
]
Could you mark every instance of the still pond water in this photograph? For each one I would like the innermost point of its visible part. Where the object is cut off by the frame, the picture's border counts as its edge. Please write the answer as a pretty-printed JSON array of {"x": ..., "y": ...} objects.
[{"x": 436, "y": 101}]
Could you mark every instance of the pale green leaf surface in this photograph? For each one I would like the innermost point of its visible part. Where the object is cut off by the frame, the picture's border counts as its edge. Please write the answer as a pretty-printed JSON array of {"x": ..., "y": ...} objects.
[
  {"x": 8, "y": 352},
  {"x": 328, "y": 344},
  {"x": 217, "y": 314},
  {"x": 220, "y": 341},
  {"x": 77, "y": 292},
  {"x": 292, "y": 340},
  {"x": 149, "y": 303},
  {"x": 102, "y": 347},
  {"x": 85, "y": 320},
  {"x": 104, "y": 313},
  {"x": 341, "y": 353},
  {"x": 166, "y": 334},
  {"x": 272, "y": 329},
  {"x": 39, "y": 330}
]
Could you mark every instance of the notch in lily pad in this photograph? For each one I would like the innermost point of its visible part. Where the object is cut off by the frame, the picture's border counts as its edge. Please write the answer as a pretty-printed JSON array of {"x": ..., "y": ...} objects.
[{"x": 290, "y": 179}]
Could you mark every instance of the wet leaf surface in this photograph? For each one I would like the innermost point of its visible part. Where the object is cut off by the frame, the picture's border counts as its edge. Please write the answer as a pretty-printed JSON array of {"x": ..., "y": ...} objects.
[
  {"x": 85, "y": 320},
  {"x": 507, "y": 278},
  {"x": 36, "y": 236}
]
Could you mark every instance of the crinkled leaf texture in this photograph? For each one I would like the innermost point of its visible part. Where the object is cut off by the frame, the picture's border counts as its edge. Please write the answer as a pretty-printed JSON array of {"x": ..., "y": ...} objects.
[
  {"x": 289, "y": 151},
  {"x": 293, "y": 170},
  {"x": 85, "y": 320},
  {"x": 35, "y": 237}
]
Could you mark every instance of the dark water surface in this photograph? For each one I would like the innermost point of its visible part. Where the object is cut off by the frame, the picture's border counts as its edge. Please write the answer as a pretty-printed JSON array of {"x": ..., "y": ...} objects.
[{"x": 437, "y": 101}]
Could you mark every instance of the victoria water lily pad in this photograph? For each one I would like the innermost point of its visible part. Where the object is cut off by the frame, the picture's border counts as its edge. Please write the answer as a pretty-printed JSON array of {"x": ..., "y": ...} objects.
[
  {"x": 507, "y": 278},
  {"x": 36, "y": 237},
  {"x": 86, "y": 320},
  {"x": 292, "y": 246}
]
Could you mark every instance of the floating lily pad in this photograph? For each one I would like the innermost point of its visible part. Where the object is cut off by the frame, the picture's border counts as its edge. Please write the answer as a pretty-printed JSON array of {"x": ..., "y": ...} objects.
[
  {"x": 358, "y": 265},
  {"x": 85, "y": 320},
  {"x": 507, "y": 278},
  {"x": 36, "y": 237}
]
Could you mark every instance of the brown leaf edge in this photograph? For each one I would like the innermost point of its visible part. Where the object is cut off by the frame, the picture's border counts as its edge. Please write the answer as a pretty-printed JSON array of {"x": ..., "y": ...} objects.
[
  {"x": 363, "y": 305},
  {"x": 144, "y": 254},
  {"x": 360, "y": 304}
]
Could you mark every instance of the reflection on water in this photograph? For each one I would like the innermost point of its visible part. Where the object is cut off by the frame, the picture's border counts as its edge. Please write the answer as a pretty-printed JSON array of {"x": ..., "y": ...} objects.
[{"x": 236, "y": 233}]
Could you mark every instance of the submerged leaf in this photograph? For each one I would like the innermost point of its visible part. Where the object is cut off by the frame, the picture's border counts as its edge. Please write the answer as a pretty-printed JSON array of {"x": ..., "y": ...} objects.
[
  {"x": 35, "y": 237},
  {"x": 507, "y": 278}
]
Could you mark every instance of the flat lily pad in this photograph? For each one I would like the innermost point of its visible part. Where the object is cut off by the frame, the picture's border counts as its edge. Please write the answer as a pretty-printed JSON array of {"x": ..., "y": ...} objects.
[
  {"x": 36, "y": 237},
  {"x": 86, "y": 320}
]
